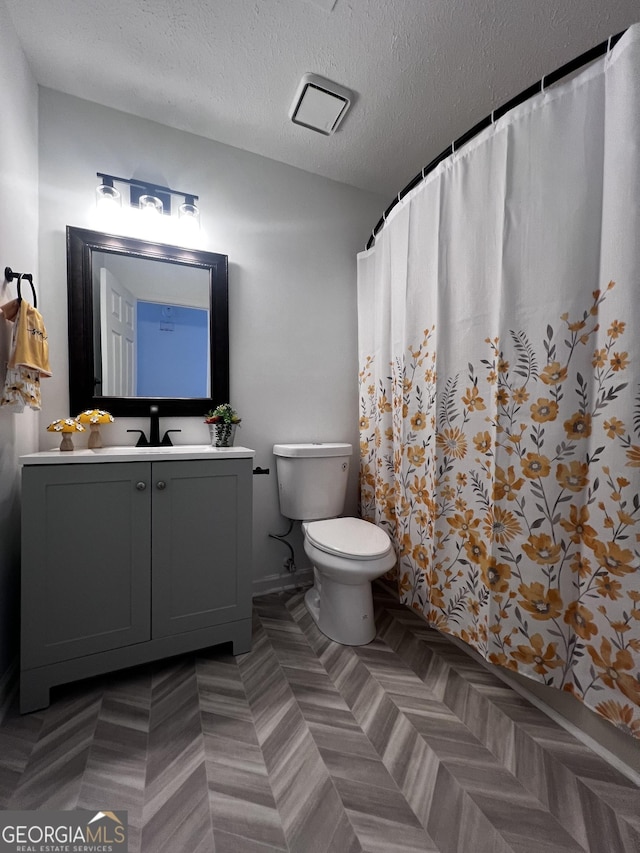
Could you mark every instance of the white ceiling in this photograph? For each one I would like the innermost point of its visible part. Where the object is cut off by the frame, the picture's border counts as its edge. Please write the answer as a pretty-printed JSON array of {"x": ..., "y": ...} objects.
[{"x": 424, "y": 71}]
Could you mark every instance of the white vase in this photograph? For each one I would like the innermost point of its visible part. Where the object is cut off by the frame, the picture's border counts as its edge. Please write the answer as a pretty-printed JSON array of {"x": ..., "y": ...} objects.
[{"x": 222, "y": 434}]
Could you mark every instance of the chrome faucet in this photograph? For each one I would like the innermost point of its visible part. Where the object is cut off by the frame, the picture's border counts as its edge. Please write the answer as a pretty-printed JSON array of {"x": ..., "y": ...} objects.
[{"x": 154, "y": 432}]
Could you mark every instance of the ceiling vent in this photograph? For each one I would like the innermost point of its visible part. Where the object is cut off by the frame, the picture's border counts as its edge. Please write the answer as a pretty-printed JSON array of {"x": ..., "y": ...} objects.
[{"x": 320, "y": 104}]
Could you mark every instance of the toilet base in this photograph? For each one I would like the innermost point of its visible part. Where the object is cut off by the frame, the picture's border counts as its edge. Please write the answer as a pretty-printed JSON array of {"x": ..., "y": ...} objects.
[{"x": 343, "y": 612}]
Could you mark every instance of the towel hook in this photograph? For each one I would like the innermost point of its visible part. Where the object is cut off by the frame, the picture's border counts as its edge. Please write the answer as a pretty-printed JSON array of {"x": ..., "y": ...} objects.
[{"x": 9, "y": 275}]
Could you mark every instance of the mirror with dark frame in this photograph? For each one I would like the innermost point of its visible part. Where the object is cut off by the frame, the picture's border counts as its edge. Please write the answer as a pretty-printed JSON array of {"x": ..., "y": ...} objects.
[{"x": 148, "y": 325}]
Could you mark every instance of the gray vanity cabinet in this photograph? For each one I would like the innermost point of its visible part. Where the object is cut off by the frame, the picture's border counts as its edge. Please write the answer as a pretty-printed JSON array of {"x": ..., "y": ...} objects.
[
  {"x": 86, "y": 545},
  {"x": 201, "y": 533},
  {"x": 127, "y": 562}
]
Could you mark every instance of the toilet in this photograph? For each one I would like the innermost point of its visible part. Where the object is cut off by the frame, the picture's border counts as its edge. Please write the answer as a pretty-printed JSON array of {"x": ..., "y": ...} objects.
[{"x": 347, "y": 553}]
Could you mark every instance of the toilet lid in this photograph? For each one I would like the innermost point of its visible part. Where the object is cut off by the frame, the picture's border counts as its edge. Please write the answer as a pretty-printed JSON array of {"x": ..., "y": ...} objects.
[{"x": 348, "y": 537}]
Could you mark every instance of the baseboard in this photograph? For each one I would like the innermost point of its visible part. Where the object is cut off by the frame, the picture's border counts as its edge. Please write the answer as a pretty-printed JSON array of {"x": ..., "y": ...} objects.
[
  {"x": 8, "y": 688},
  {"x": 282, "y": 582}
]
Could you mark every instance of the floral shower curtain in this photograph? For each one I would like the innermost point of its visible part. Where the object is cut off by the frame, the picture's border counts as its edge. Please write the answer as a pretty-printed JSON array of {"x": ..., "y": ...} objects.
[{"x": 499, "y": 314}]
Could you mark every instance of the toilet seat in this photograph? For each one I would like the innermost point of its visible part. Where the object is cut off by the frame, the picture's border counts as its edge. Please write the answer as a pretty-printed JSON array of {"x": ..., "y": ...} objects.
[{"x": 348, "y": 537}]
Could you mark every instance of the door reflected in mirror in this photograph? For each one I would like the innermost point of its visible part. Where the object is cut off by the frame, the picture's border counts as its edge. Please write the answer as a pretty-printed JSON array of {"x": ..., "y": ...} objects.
[{"x": 148, "y": 323}]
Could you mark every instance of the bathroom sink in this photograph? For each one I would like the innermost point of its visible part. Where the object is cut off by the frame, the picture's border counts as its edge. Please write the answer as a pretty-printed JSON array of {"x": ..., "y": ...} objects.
[
  {"x": 144, "y": 451},
  {"x": 192, "y": 450},
  {"x": 132, "y": 454}
]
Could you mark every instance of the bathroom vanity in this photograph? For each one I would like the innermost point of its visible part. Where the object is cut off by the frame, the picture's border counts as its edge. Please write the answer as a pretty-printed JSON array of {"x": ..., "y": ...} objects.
[{"x": 130, "y": 555}]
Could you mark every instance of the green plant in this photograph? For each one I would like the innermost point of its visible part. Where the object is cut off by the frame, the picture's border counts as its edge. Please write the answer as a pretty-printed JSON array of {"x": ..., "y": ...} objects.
[{"x": 224, "y": 413}]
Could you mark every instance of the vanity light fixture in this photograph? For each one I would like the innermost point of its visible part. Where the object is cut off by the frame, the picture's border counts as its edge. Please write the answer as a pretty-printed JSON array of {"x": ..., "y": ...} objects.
[
  {"x": 188, "y": 212},
  {"x": 151, "y": 198},
  {"x": 150, "y": 204},
  {"x": 107, "y": 196}
]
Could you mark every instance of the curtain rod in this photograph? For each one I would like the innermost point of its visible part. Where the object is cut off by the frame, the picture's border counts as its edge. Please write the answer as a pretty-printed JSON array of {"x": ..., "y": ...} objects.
[{"x": 548, "y": 80}]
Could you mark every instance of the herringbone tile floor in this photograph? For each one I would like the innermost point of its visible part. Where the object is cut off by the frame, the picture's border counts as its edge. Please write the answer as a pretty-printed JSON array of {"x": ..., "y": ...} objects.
[{"x": 306, "y": 746}]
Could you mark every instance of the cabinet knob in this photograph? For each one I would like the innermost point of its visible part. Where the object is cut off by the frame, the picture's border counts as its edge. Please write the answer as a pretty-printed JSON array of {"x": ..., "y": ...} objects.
[
  {"x": 161, "y": 485},
  {"x": 141, "y": 486}
]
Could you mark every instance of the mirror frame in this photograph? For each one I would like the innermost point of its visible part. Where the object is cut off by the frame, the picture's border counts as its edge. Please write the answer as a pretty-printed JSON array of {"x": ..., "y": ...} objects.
[{"x": 81, "y": 243}]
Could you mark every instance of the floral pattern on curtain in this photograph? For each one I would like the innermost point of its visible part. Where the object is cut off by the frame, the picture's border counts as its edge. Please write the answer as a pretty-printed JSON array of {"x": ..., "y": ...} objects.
[{"x": 500, "y": 395}]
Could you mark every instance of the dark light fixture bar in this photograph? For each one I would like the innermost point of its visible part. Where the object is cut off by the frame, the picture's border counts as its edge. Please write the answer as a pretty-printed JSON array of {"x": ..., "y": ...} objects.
[
  {"x": 141, "y": 190},
  {"x": 548, "y": 80}
]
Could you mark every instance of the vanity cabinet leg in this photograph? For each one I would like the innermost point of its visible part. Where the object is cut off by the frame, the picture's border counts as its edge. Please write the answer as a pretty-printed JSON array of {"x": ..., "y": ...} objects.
[
  {"x": 34, "y": 692},
  {"x": 242, "y": 638}
]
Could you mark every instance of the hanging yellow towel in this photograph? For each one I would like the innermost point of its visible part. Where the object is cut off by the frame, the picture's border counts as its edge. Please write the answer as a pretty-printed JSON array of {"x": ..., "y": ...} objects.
[
  {"x": 28, "y": 358},
  {"x": 31, "y": 349},
  {"x": 10, "y": 309}
]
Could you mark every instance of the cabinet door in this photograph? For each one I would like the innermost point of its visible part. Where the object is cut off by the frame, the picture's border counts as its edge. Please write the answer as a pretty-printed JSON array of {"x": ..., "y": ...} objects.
[
  {"x": 86, "y": 533},
  {"x": 201, "y": 544}
]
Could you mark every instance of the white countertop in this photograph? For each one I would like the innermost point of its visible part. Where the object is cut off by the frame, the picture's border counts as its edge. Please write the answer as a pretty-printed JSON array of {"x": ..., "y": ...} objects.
[{"x": 135, "y": 454}]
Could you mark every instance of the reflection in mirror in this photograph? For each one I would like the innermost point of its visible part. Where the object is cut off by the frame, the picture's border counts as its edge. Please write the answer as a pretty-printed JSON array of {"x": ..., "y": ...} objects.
[
  {"x": 151, "y": 328},
  {"x": 148, "y": 324}
]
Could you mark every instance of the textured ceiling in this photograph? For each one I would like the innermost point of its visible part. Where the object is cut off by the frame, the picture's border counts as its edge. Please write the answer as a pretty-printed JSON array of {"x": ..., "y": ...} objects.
[{"x": 424, "y": 71}]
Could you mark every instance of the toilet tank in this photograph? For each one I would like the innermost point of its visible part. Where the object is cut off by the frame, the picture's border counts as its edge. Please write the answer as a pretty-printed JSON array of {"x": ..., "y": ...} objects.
[{"x": 312, "y": 479}]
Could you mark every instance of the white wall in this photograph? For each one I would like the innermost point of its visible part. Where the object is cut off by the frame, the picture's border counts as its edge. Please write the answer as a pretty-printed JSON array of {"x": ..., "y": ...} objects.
[
  {"x": 291, "y": 239},
  {"x": 18, "y": 250}
]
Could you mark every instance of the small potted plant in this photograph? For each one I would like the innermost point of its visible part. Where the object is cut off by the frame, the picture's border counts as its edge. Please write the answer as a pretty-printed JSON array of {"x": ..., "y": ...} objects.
[{"x": 222, "y": 421}]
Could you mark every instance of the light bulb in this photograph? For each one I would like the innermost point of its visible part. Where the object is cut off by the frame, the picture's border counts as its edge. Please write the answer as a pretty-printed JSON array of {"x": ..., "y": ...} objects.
[
  {"x": 107, "y": 196},
  {"x": 150, "y": 204},
  {"x": 189, "y": 214}
]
